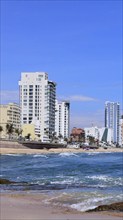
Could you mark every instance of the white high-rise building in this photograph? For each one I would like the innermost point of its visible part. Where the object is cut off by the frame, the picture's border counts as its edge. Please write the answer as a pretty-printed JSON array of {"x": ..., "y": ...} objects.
[
  {"x": 62, "y": 118},
  {"x": 37, "y": 101},
  {"x": 121, "y": 131},
  {"x": 112, "y": 119}
]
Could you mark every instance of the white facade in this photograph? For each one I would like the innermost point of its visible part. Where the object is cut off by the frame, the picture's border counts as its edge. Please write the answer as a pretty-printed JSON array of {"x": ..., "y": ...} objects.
[
  {"x": 37, "y": 126},
  {"x": 37, "y": 101},
  {"x": 101, "y": 134},
  {"x": 105, "y": 135},
  {"x": 121, "y": 133},
  {"x": 62, "y": 118},
  {"x": 92, "y": 131},
  {"x": 112, "y": 119}
]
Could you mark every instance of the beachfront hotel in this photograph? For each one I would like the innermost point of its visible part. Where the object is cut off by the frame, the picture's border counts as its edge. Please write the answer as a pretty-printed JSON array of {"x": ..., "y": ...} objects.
[
  {"x": 37, "y": 102},
  {"x": 9, "y": 114},
  {"x": 62, "y": 118},
  {"x": 112, "y": 120}
]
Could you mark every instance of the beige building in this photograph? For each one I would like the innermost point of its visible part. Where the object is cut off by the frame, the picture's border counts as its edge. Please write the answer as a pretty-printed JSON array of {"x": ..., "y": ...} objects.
[
  {"x": 9, "y": 114},
  {"x": 30, "y": 131}
]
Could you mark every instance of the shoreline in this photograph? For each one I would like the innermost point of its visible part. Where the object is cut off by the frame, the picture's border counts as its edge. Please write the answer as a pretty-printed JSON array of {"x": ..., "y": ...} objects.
[
  {"x": 31, "y": 206},
  {"x": 9, "y": 147},
  {"x": 10, "y": 150}
]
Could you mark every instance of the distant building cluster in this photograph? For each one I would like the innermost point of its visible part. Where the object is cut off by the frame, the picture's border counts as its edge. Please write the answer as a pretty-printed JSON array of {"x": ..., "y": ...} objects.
[
  {"x": 40, "y": 116},
  {"x": 110, "y": 134}
]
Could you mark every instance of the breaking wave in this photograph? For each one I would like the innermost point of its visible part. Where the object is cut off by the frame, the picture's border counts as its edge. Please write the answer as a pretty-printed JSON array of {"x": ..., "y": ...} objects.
[{"x": 68, "y": 154}]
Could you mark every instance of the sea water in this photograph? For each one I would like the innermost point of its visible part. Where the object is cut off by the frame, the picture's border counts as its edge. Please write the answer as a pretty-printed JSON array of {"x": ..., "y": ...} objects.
[{"x": 80, "y": 181}]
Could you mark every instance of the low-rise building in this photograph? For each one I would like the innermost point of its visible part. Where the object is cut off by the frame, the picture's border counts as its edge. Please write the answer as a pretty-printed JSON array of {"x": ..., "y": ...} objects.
[
  {"x": 77, "y": 134},
  {"x": 9, "y": 114},
  {"x": 32, "y": 131},
  {"x": 99, "y": 134},
  {"x": 92, "y": 131}
]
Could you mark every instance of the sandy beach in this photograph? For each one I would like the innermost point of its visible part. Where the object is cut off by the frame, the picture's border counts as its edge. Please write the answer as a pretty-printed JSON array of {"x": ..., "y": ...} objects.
[
  {"x": 44, "y": 151},
  {"x": 23, "y": 206},
  {"x": 60, "y": 150},
  {"x": 16, "y": 148}
]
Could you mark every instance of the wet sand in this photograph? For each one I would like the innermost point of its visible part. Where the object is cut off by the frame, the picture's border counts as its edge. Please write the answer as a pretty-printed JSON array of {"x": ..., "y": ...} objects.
[{"x": 31, "y": 207}]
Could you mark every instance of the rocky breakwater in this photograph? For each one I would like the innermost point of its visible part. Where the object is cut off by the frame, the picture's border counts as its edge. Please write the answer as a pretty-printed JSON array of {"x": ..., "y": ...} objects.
[
  {"x": 118, "y": 207},
  {"x": 7, "y": 182}
]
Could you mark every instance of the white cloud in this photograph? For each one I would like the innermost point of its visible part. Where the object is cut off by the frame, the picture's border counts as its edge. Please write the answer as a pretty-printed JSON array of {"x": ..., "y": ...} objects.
[
  {"x": 77, "y": 98},
  {"x": 9, "y": 96}
]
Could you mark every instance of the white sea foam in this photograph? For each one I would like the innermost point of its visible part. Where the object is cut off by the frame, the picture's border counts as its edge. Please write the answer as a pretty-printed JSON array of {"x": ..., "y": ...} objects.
[
  {"x": 107, "y": 179},
  {"x": 62, "y": 182},
  {"x": 99, "y": 177},
  {"x": 40, "y": 155},
  {"x": 49, "y": 200},
  {"x": 88, "y": 204},
  {"x": 82, "y": 207},
  {"x": 68, "y": 154},
  {"x": 119, "y": 181},
  {"x": 93, "y": 153},
  {"x": 14, "y": 155}
]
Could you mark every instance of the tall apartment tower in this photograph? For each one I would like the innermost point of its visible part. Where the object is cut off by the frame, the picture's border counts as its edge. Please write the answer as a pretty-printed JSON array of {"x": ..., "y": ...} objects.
[
  {"x": 62, "y": 118},
  {"x": 112, "y": 119},
  {"x": 37, "y": 101}
]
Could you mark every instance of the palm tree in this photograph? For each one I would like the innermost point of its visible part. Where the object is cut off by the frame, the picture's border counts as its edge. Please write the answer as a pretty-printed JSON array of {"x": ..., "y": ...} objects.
[
  {"x": 66, "y": 139},
  {"x": 28, "y": 136},
  {"x": 53, "y": 136},
  {"x": 91, "y": 139},
  {"x": 60, "y": 136},
  {"x": 1, "y": 129},
  {"x": 18, "y": 131},
  {"x": 10, "y": 129}
]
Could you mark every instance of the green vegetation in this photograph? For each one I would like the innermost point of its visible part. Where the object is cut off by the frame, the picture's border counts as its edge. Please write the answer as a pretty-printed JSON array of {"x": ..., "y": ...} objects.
[{"x": 10, "y": 129}]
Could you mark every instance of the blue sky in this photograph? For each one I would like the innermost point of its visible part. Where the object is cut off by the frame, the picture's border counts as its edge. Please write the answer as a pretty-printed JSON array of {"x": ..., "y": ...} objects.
[{"x": 78, "y": 43}]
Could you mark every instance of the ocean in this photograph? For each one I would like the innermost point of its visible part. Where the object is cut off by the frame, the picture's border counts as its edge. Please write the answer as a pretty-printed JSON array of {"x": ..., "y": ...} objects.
[{"x": 80, "y": 181}]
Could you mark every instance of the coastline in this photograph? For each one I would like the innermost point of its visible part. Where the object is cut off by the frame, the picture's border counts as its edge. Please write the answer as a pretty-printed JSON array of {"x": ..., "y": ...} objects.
[
  {"x": 31, "y": 206},
  {"x": 10, "y": 150},
  {"x": 8, "y": 147}
]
